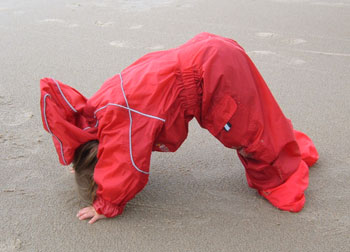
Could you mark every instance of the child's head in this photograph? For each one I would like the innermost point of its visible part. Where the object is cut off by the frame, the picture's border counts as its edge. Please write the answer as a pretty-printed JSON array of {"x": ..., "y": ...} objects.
[{"x": 85, "y": 159}]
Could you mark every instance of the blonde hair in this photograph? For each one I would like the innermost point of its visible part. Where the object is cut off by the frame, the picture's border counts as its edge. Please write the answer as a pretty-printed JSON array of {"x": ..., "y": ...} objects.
[{"x": 85, "y": 159}]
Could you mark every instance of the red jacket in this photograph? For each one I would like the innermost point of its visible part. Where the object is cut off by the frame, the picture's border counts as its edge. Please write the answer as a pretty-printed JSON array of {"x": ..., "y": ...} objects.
[{"x": 148, "y": 106}]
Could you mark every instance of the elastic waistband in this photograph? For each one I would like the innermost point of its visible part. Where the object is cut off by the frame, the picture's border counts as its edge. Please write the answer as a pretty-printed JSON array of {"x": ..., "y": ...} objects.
[{"x": 190, "y": 84}]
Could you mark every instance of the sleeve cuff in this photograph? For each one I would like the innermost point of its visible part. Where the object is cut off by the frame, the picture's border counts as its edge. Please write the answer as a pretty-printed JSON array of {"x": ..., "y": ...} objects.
[{"x": 107, "y": 208}]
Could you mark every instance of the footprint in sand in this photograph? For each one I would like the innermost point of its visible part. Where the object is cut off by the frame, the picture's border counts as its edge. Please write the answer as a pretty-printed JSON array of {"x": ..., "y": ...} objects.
[
  {"x": 119, "y": 44},
  {"x": 289, "y": 41},
  {"x": 73, "y": 6},
  {"x": 265, "y": 34},
  {"x": 58, "y": 21},
  {"x": 296, "y": 41},
  {"x": 52, "y": 20},
  {"x": 186, "y": 5},
  {"x": 280, "y": 58},
  {"x": 135, "y": 27},
  {"x": 17, "y": 118},
  {"x": 11, "y": 245},
  {"x": 156, "y": 47},
  {"x": 4, "y": 101},
  {"x": 279, "y": 38},
  {"x": 12, "y": 116},
  {"x": 123, "y": 44},
  {"x": 261, "y": 52},
  {"x": 103, "y": 24},
  {"x": 19, "y": 145}
]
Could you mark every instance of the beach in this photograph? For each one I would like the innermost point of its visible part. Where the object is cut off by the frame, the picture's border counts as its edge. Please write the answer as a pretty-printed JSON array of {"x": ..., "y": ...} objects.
[{"x": 197, "y": 199}]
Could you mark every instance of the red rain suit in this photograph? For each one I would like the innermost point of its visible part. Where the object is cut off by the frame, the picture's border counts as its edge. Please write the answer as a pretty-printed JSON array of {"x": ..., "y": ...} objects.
[{"x": 148, "y": 106}]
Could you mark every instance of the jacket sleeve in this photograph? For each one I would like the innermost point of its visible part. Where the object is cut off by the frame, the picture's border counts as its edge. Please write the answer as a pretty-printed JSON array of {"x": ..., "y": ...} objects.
[{"x": 122, "y": 168}]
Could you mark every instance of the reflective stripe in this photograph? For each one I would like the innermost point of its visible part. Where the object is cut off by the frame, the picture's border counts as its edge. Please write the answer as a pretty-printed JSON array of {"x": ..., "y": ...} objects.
[
  {"x": 48, "y": 128},
  {"x": 59, "y": 88},
  {"x": 130, "y": 109},
  {"x": 130, "y": 117}
]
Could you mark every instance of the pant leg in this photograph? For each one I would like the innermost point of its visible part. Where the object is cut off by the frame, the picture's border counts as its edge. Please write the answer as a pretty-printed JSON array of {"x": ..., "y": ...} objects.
[{"x": 266, "y": 143}]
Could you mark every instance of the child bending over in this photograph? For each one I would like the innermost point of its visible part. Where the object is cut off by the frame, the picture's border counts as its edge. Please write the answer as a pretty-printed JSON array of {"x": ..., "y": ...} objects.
[{"x": 147, "y": 107}]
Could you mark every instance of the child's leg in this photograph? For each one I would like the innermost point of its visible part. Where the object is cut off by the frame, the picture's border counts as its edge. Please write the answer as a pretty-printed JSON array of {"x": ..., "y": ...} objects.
[{"x": 266, "y": 143}]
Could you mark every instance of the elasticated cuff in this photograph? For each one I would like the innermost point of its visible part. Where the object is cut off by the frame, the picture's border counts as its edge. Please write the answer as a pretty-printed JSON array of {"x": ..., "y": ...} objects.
[{"x": 107, "y": 208}]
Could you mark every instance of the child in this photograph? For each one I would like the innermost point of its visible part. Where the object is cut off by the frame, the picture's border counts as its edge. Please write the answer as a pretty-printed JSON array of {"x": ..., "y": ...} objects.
[{"x": 147, "y": 107}]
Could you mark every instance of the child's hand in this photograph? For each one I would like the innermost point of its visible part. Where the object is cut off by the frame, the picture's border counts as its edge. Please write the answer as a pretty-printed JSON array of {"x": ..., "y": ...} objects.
[{"x": 89, "y": 212}]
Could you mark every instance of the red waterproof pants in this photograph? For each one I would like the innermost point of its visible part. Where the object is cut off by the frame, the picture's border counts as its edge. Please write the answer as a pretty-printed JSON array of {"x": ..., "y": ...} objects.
[{"x": 275, "y": 156}]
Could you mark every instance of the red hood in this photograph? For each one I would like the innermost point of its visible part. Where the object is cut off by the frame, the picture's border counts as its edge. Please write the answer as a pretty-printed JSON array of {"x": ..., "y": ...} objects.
[{"x": 64, "y": 115}]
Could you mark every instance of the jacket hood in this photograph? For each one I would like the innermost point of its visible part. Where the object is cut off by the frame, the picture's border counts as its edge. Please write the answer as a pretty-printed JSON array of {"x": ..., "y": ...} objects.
[{"x": 64, "y": 116}]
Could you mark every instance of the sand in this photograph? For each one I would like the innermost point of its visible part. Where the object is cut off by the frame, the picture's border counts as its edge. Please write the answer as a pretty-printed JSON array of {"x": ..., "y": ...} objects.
[{"x": 197, "y": 199}]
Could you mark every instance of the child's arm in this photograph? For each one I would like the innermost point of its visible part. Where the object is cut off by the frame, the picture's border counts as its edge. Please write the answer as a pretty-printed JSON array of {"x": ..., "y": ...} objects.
[
  {"x": 89, "y": 212},
  {"x": 124, "y": 155},
  {"x": 117, "y": 179}
]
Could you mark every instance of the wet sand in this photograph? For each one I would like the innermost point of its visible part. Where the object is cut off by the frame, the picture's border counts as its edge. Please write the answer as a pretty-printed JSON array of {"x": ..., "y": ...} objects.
[{"x": 197, "y": 199}]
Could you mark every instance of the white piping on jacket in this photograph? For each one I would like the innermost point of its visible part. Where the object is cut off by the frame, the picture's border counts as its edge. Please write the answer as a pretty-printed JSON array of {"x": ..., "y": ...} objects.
[
  {"x": 130, "y": 118},
  {"x": 48, "y": 128},
  {"x": 59, "y": 88},
  {"x": 130, "y": 109},
  {"x": 109, "y": 104}
]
